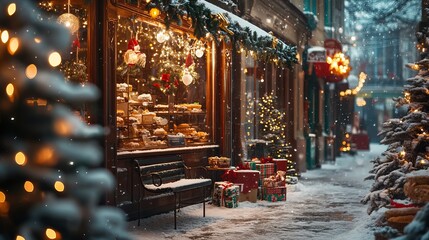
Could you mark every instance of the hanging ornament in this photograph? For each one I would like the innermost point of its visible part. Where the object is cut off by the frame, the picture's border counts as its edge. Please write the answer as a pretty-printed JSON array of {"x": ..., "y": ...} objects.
[
  {"x": 133, "y": 56},
  {"x": 69, "y": 20},
  {"x": 199, "y": 52},
  {"x": 187, "y": 77},
  {"x": 162, "y": 36}
]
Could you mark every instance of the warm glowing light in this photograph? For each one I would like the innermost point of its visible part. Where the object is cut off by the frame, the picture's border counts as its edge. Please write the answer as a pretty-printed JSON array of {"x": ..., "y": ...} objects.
[
  {"x": 50, "y": 233},
  {"x": 13, "y": 45},
  {"x": 5, "y": 36},
  {"x": 62, "y": 127},
  {"x": 54, "y": 59},
  {"x": 20, "y": 237},
  {"x": 11, "y": 9},
  {"x": 59, "y": 186},
  {"x": 339, "y": 64},
  {"x": 31, "y": 71},
  {"x": 2, "y": 197},
  {"x": 10, "y": 89},
  {"x": 154, "y": 12},
  {"x": 45, "y": 156},
  {"x": 37, "y": 40},
  {"x": 28, "y": 186},
  {"x": 20, "y": 158}
]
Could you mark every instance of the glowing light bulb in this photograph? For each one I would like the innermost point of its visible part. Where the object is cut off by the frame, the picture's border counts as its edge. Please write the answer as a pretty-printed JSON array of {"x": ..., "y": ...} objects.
[
  {"x": 5, "y": 36},
  {"x": 20, "y": 158},
  {"x": 28, "y": 186},
  {"x": 54, "y": 59},
  {"x": 11, "y": 9}
]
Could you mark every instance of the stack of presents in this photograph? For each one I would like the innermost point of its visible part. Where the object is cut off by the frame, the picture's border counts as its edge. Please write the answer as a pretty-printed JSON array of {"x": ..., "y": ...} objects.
[{"x": 263, "y": 179}]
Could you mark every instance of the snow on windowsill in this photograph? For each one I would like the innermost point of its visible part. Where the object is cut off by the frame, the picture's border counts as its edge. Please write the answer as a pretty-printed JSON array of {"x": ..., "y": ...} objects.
[{"x": 164, "y": 150}]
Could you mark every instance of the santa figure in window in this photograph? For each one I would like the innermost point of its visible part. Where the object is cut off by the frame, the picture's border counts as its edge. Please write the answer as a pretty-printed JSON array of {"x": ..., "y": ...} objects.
[{"x": 133, "y": 56}]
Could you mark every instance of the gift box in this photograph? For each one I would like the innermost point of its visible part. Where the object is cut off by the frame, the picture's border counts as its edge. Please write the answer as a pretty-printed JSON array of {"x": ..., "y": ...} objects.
[
  {"x": 265, "y": 170},
  {"x": 280, "y": 164},
  {"x": 274, "y": 194},
  {"x": 225, "y": 194},
  {"x": 251, "y": 196},
  {"x": 249, "y": 179},
  {"x": 249, "y": 165}
]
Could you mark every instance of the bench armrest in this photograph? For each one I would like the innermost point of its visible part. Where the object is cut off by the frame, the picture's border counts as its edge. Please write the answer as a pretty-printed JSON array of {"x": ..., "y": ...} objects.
[{"x": 155, "y": 175}]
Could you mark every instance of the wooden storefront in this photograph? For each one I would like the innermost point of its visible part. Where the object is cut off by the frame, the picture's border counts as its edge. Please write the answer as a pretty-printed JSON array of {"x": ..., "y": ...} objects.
[{"x": 156, "y": 83}]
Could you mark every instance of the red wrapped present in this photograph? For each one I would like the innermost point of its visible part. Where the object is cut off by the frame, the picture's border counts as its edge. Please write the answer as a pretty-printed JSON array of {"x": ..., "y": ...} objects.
[
  {"x": 281, "y": 164},
  {"x": 249, "y": 179},
  {"x": 265, "y": 170}
]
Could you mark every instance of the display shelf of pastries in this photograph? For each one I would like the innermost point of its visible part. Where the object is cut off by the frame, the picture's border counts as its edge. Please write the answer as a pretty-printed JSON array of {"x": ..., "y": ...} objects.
[{"x": 124, "y": 87}]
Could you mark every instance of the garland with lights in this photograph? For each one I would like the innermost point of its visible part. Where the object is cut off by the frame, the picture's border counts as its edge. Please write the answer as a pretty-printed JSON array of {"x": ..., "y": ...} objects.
[
  {"x": 204, "y": 22},
  {"x": 50, "y": 180}
]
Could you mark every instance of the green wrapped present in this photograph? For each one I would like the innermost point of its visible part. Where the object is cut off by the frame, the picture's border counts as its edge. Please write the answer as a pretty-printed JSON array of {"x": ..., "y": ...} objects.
[{"x": 225, "y": 194}]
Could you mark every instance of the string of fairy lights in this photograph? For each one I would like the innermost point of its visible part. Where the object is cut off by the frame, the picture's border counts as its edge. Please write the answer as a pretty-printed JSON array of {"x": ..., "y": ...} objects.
[
  {"x": 45, "y": 155},
  {"x": 167, "y": 50}
]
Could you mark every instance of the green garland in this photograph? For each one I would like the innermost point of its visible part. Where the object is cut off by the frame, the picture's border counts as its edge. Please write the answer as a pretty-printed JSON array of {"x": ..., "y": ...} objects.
[{"x": 203, "y": 22}]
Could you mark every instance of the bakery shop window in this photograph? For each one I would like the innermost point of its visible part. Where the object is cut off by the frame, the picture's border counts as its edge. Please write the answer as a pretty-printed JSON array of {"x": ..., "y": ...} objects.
[
  {"x": 74, "y": 16},
  {"x": 160, "y": 86}
]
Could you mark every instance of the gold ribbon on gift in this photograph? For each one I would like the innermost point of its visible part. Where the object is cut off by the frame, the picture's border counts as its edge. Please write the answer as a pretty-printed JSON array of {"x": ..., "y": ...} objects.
[{"x": 223, "y": 23}]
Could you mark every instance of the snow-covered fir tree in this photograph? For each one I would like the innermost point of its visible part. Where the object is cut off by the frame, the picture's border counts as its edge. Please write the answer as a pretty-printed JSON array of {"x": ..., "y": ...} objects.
[
  {"x": 407, "y": 138},
  {"x": 50, "y": 181}
]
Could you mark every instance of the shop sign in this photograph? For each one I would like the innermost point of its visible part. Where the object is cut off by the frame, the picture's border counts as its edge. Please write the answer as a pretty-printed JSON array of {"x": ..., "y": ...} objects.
[
  {"x": 316, "y": 54},
  {"x": 332, "y": 46}
]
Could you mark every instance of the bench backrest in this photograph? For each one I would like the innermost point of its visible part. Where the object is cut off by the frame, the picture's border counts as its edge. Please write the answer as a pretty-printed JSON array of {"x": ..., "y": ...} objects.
[{"x": 169, "y": 168}]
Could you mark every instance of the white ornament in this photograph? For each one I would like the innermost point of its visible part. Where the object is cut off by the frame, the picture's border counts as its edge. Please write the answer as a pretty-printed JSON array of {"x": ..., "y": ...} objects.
[
  {"x": 131, "y": 57},
  {"x": 160, "y": 37},
  {"x": 187, "y": 78},
  {"x": 199, "y": 53},
  {"x": 70, "y": 21}
]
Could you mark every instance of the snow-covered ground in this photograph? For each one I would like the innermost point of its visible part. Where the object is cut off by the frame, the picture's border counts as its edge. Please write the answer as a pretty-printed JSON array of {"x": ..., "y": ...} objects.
[{"x": 324, "y": 205}]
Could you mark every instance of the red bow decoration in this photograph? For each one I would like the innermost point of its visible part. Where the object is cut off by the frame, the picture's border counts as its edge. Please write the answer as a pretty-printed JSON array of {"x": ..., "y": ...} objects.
[
  {"x": 267, "y": 160},
  {"x": 400, "y": 205},
  {"x": 229, "y": 175},
  {"x": 76, "y": 43},
  {"x": 242, "y": 166},
  {"x": 189, "y": 61}
]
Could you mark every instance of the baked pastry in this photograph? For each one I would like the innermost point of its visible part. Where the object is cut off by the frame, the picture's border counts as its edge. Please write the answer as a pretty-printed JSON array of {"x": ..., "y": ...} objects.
[
  {"x": 145, "y": 97},
  {"x": 120, "y": 99},
  {"x": 123, "y": 87},
  {"x": 159, "y": 132},
  {"x": 120, "y": 113},
  {"x": 147, "y": 117},
  {"x": 119, "y": 121}
]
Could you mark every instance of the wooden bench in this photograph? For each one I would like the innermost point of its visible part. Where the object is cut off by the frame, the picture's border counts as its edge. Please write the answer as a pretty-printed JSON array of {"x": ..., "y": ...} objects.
[{"x": 168, "y": 175}]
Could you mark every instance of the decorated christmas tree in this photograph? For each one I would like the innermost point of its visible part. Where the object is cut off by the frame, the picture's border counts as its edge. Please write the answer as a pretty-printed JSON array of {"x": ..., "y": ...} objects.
[
  {"x": 272, "y": 127},
  {"x": 50, "y": 180},
  {"x": 407, "y": 138}
]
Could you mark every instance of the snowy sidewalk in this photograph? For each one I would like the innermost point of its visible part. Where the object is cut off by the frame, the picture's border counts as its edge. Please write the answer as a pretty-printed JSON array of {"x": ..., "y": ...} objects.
[{"x": 325, "y": 205}]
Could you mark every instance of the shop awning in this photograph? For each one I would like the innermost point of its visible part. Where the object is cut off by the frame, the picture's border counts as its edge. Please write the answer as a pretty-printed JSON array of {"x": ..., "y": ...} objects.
[{"x": 243, "y": 23}]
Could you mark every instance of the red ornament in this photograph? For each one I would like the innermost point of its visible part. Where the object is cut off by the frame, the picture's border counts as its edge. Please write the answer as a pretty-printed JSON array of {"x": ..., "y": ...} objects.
[
  {"x": 189, "y": 60},
  {"x": 157, "y": 85},
  {"x": 165, "y": 77}
]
